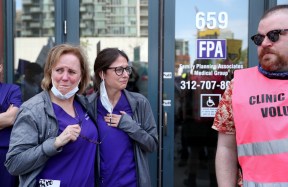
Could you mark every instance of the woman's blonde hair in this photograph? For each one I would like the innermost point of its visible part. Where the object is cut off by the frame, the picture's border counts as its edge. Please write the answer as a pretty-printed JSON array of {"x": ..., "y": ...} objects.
[{"x": 53, "y": 57}]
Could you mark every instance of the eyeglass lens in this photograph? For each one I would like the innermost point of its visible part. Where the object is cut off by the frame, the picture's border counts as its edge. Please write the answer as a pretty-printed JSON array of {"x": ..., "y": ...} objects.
[
  {"x": 120, "y": 70},
  {"x": 272, "y": 35}
]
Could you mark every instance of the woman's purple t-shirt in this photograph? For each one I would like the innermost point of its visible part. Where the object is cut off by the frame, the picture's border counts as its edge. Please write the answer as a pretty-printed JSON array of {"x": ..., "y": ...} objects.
[
  {"x": 116, "y": 150},
  {"x": 74, "y": 166}
]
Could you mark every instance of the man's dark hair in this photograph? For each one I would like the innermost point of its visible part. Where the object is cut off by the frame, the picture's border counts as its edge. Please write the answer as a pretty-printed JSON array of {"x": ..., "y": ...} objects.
[{"x": 275, "y": 9}]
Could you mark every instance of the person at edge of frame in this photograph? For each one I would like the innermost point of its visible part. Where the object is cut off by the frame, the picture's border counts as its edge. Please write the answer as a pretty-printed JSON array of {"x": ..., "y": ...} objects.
[
  {"x": 127, "y": 128},
  {"x": 54, "y": 140},
  {"x": 252, "y": 114},
  {"x": 10, "y": 101}
]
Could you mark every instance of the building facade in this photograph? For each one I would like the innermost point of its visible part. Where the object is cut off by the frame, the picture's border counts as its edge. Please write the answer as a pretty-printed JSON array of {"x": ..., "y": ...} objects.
[{"x": 184, "y": 52}]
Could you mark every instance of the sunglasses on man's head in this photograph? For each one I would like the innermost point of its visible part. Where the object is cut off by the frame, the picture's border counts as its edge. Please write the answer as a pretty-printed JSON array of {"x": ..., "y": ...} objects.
[{"x": 273, "y": 36}]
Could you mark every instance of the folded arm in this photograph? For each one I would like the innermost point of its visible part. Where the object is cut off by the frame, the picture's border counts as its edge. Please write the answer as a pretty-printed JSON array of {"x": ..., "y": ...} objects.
[{"x": 7, "y": 118}]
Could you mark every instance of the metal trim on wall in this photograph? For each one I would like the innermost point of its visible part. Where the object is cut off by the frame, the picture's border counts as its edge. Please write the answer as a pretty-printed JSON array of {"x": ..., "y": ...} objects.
[
  {"x": 168, "y": 91},
  {"x": 59, "y": 19},
  {"x": 73, "y": 22},
  {"x": 9, "y": 41},
  {"x": 160, "y": 89},
  {"x": 67, "y": 22},
  {"x": 153, "y": 92}
]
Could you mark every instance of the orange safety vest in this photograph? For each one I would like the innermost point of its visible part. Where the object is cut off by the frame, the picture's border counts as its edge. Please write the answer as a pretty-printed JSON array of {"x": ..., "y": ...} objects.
[{"x": 260, "y": 110}]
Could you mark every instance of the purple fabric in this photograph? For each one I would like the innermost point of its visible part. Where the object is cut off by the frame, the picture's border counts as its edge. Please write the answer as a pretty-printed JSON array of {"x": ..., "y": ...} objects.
[
  {"x": 9, "y": 94},
  {"x": 116, "y": 151},
  {"x": 6, "y": 179},
  {"x": 74, "y": 166}
]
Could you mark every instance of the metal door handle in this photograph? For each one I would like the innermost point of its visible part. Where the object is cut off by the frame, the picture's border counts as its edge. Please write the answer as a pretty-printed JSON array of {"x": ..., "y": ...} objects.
[{"x": 165, "y": 124}]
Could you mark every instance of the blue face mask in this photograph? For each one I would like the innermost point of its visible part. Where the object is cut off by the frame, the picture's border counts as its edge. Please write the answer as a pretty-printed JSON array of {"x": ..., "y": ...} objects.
[{"x": 68, "y": 95}]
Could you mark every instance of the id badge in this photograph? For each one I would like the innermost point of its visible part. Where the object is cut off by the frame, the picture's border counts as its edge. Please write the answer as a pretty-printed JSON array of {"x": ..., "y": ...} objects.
[{"x": 49, "y": 183}]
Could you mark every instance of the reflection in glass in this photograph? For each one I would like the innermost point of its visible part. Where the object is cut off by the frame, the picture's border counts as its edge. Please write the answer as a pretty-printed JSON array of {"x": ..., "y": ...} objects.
[
  {"x": 209, "y": 46},
  {"x": 34, "y": 36},
  {"x": 120, "y": 24},
  {"x": 282, "y": 2}
]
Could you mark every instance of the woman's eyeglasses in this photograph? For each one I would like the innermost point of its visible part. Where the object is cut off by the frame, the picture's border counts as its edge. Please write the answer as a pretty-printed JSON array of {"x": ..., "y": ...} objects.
[
  {"x": 272, "y": 35},
  {"x": 120, "y": 70},
  {"x": 97, "y": 142},
  {"x": 89, "y": 140},
  {"x": 84, "y": 137}
]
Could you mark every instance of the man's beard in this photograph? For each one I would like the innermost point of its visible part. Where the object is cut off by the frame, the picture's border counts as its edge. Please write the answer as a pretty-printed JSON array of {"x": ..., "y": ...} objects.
[{"x": 273, "y": 61}]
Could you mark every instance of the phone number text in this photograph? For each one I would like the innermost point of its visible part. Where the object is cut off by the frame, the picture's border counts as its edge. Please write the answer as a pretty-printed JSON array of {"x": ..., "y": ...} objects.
[{"x": 203, "y": 85}]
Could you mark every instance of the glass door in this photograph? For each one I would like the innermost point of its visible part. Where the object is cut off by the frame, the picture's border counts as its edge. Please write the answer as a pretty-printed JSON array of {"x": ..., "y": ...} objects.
[
  {"x": 122, "y": 24},
  {"x": 211, "y": 42}
]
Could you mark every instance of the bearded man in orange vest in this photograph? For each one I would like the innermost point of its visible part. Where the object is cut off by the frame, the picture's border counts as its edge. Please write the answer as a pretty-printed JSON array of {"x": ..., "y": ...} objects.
[{"x": 252, "y": 117}]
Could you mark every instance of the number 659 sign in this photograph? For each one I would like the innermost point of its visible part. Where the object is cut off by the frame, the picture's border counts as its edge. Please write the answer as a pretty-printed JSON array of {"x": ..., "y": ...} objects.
[{"x": 211, "y": 20}]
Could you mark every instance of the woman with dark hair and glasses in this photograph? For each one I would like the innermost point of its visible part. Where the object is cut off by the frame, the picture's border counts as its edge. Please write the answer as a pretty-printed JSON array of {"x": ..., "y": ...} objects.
[
  {"x": 127, "y": 128},
  {"x": 252, "y": 116},
  {"x": 53, "y": 140}
]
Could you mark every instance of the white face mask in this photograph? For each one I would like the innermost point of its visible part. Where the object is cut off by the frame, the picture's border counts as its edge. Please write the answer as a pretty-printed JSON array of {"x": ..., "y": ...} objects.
[
  {"x": 68, "y": 95},
  {"x": 104, "y": 97}
]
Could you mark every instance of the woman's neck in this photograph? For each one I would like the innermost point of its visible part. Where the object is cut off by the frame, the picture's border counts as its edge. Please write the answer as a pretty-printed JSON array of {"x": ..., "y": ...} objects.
[
  {"x": 66, "y": 105},
  {"x": 114, "y": 96}
]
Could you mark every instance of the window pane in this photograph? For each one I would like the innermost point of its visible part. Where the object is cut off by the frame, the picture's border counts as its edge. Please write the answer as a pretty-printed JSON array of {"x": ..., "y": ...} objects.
[
  {"x": 282, "y": 2},
  {"x": 118, "y": 23},
  {"x": 34, "y": 37}
]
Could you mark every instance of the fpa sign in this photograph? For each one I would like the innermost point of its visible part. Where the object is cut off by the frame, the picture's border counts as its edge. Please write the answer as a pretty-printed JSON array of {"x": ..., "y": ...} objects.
[{"x": 211, "y": 49}]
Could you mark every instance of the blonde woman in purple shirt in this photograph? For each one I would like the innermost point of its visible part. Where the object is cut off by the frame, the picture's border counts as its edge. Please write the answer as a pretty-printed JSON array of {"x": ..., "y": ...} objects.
[{"x": 53, "y": 140}]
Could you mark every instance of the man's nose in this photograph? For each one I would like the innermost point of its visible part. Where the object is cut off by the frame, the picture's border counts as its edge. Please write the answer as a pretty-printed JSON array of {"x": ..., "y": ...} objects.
[{"x": 266, "y": 42}]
